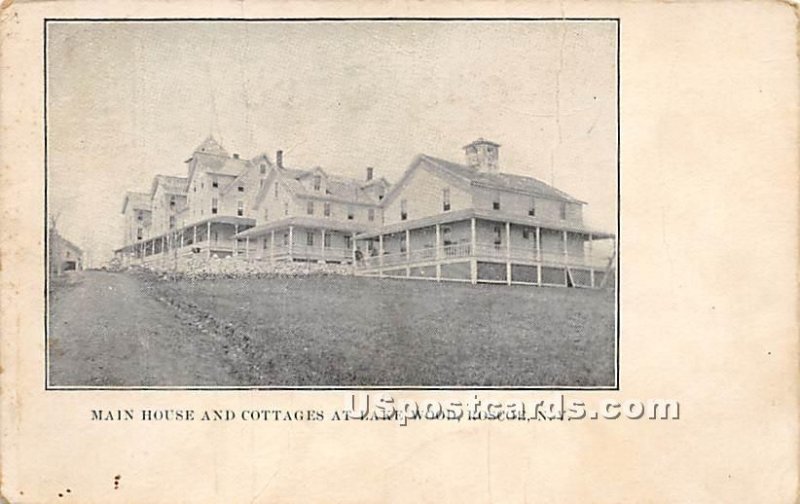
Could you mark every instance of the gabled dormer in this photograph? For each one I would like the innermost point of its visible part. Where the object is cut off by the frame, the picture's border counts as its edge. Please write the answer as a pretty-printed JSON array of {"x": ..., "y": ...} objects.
[{"x": 315, "y": 181}]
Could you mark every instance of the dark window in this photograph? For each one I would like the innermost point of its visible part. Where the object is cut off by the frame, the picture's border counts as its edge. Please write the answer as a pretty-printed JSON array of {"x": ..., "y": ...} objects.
[
  {"x": 310, "y": 208},
  {"x": 496, "y": 203},
  {"x": 317, "y": 182},
  {"x": 403, "y": 209},
  {"x": 526, "y": 234},
  {"x": 214, "y": 183},
  {"x": 348, "y": 242},
  {"x": 172, "y": 201},
  {"x": 562, "y": 211},
  {"x": 327, "y": 209},
  {"x": 446, "y": 199},
  {"x": 498, "y": 235},
  {"x": 403, "y": 242},
  {"x": 139, "y": 216},
  {"x": 285, "y": 239},
  {"x": 139, "y": 233},
  {"x": 171, "y": 221},
  {"x": 241, "y": 188},
  {"x": 327, "y": 241},
  {"x": 276, "y": 189},
  {"x": 285, "y": 208},
  {"x": 371, "y": 214},
  {"x": 264, "y": 243},
  {"x": 263, "y": 168},
  {"x": 213, "y": 205},
  {"x": 532, "y": 210},
  {"x": 350, "y": 214},
  {"x": 240, "y": 209},
  {"x": 309, "y": 238}
]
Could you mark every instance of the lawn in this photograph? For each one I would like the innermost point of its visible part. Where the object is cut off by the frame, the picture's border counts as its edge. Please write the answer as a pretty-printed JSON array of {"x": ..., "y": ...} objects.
[{"x": 349, "y": 331}]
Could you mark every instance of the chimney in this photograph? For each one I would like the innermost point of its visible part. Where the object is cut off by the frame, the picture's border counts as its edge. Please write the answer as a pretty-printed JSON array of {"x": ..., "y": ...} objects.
[
  {"x": 279, "y": 158},
  {"x": 369, "y": 173}
]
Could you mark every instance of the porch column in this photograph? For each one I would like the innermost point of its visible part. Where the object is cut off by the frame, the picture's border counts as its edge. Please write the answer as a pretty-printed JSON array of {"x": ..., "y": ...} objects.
[
  {"x": 438, "y": 252},
  {"x": 565, "y": 246},
  {"x": 208, "y": 239},
  {"x": 235, "y": 240},
  {"x": 539, "y": 255},
  {"x": 380, "y": 251},
  {"x": 408, "y": 252},
  {"x": 590, "y": 261},
  {"x": 291, "y": 242},
  {"x": 272, "y": 246},
  {"x": 473, "y": 261},
  {"x": 182, "y": 234},
  {"x": 194, "y": 239},
  {"x": 322, "y": 245},
  {"x": 508, "y": 253},
  {"x": 247, "y": 247},
  {"x": 353, "y": 248}
]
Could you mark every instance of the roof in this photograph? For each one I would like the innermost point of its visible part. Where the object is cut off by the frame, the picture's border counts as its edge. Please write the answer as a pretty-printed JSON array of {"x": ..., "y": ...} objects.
[
  {"x": 171, "y": 185},
  {"x": 138, "y": 201},
  {"x": 306, "y": 222},
  {"x": 212, "y": 147},
  {"x": 66, "y": 243},
  {"x": 481, "y": 141},
  {"x": 500, "y": 181},
  {"x": 488, "y": 215},
  {"x": 343, "y": 189}
]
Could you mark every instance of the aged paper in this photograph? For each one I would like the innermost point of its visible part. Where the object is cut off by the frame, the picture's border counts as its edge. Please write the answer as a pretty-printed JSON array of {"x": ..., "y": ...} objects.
[{"x": 365, "y": 252}]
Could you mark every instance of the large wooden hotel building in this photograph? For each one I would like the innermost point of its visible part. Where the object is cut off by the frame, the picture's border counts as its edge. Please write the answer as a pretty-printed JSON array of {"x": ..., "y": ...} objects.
[{"x": 442, "y": 221}]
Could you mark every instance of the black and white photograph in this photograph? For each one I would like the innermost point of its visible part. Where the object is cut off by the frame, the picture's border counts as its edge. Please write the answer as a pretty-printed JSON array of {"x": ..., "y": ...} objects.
[{"x": 332, "y": 204}]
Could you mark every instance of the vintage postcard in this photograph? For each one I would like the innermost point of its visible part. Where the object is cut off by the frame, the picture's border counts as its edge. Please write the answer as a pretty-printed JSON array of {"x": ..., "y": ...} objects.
[{"x": 360, "y": 252}]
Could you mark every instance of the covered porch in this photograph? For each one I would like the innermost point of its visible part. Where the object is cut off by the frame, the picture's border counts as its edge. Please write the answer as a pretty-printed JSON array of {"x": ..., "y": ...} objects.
[
  {"x": 213, "y": 237},
  {"x": 304, "y": 239},
  {"x": 482, "y": 247}
]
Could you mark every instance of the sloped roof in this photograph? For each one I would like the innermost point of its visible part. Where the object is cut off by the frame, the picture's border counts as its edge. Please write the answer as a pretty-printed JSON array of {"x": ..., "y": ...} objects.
[
  {"x": 345, "y": 189},
  {"x": 138, "y": 200},
  {"x": 171, "y": 185},
  {"x": 500, "y": 181},
  {"x": 232, "y": 167},
  {"x": 211, "y": 146}
]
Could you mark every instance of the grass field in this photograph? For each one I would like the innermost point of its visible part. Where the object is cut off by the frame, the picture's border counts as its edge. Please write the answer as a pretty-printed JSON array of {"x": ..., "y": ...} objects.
[{"x": 347, "y": 331}]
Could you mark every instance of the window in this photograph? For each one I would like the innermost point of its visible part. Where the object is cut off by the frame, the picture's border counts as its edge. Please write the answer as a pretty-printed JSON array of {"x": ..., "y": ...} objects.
[
  {"x": 403, "y": 209},
  {"x": 317, "y": 182},
  {"x": 172, "y": 222},
  {"x": 562, "y": 211},
  {"x": 446, "y": 230},
  {"x": 498, "y": 235},
  {"x": 285, "y": 239},
  {"x": 139, "y": 216},
  {"x": 264, "y": 243},
  {"x": 371, "y": 214},
  {"x": 496, "y": 202},
  {"x": 194, "y": 187},
  {"x": 172, "y": 201},
  {"x": 214, "y": 183},
  {"x": 532, "y": 209},
  {"x": 139, "y": 233},
  {"x": 285, "y": 208},
  {"x": 446, "y": 199},
  {"x": 240, "y": 208},
  {"x": 327, "y": 209},
  {"x": 310, "y": 208},
  {"x": 326, "y": 242},
  {"x": 213, "y": 205},
  {"x": 350, "y": 214},
  {"x": 526, "y": 233},
  {"x": 216, "y": 236},
  {"x": 261, "y": 184},
  {"x": 403, "y": 242},
  {"x": 348, "y": 242},
  {"x": 266, "y": 214},
  {"x": 263, "y": 168},
  {"x": 240, "y": 188},
  {"x": 310, "y": 238},
  {"x": 276, "y": 189}
]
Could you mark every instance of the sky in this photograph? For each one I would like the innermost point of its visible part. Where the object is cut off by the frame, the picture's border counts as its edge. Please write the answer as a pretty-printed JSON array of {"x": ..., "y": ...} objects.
[{"x": 129, "y": 100}]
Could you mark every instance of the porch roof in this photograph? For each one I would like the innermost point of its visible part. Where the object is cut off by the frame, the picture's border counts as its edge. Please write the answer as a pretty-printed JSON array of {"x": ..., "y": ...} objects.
[
  {"x": 488, "y": 215},
  {"x": 221, "y": 219},
  {"x": 305, "y": 222}
]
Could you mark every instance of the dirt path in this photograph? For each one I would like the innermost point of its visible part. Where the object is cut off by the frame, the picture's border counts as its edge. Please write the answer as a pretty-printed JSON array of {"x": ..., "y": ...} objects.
[{"x": 109, "y": 329}]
